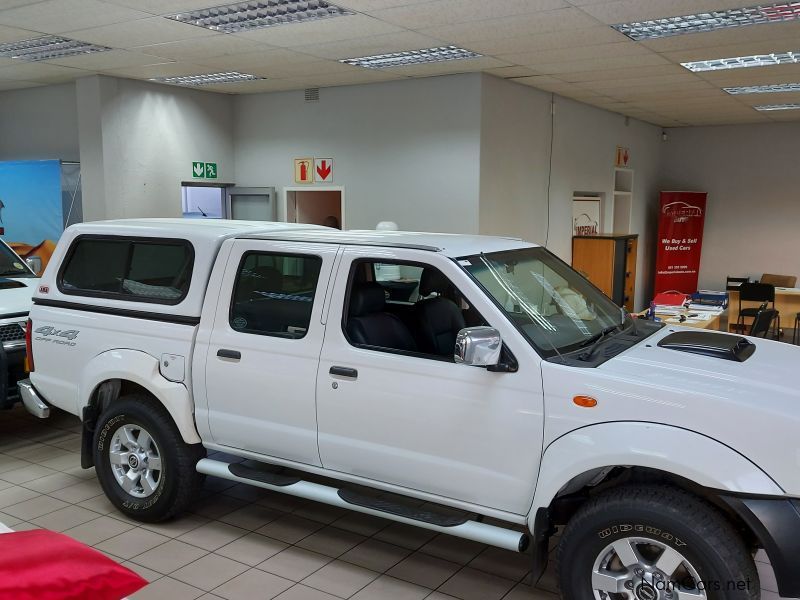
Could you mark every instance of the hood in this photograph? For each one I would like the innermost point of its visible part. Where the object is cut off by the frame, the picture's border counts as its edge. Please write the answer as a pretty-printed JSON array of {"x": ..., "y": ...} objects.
[{"x": 15, "y": 295}]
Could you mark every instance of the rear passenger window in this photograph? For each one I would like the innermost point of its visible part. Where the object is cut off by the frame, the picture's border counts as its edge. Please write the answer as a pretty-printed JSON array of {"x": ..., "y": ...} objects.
[
  {"x": 157, "y": 271},
  {"x": 274, "y": 294}
]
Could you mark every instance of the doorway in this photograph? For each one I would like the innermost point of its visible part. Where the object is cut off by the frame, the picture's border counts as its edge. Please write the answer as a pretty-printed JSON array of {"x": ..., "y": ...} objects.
[
  {"x": 202, "y": 202},
  {"x": 315, "y": 206}
]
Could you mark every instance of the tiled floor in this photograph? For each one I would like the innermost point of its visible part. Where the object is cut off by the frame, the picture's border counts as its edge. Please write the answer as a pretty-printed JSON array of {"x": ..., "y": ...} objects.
[{"x": 243, "y": 543}]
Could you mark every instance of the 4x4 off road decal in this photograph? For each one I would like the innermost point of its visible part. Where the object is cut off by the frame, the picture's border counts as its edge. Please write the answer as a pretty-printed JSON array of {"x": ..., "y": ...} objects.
[{"x": 63, "y": 337}]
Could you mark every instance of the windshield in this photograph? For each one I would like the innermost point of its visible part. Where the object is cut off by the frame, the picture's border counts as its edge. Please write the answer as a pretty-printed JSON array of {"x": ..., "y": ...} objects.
[
  {"x": 11, "y": 265},
  {"x": 553, "y": 306}
]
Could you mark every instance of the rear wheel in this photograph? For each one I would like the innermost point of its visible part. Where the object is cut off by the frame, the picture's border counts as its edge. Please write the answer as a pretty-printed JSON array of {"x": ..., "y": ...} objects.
[
  {"x": 654, "y": 543},
  {"x": 145, "y": 468}
]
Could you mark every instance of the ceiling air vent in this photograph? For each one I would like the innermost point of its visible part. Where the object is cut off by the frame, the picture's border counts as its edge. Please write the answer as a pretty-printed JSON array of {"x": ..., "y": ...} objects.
[{"x": 312, "y": 94}]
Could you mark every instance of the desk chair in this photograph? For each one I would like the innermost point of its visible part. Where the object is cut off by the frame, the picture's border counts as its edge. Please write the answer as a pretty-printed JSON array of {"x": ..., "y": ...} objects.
[
  {"x": 764, "y": 293},
  {"x": 763, "y": 322},
  {"x": 787, "y": 281},
  {"x": 796, "y": 333}
]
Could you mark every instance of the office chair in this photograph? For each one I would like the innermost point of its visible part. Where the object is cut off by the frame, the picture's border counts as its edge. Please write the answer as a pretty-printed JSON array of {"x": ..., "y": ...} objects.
[
  {"x": 762, "y": 322},
  {"x": 756, "y": 292},
  {"x": 796, "y": 333}
]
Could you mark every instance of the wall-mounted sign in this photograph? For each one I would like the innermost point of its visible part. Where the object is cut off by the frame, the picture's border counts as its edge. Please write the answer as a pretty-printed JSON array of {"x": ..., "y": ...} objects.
[
  {"x": 680, "y": 240},
  {"x": 204, "y": 170},
  {"x": 304, "y": 170},
  {"x": 324, "y": 169},
  {"x": 623, "y": 157},
  {"x": 585, "y": 217}
]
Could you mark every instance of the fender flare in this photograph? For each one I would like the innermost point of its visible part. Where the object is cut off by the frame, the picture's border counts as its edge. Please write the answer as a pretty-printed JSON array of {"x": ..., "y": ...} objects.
[
  {"x": 688, "y": 454},
  {"x": 141, "y": 369}
]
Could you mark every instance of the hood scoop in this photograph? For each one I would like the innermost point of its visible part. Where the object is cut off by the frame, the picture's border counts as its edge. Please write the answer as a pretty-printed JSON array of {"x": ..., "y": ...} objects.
[
  {"x": 8, "y": 284},
  {"x": 706, "y": 343}
]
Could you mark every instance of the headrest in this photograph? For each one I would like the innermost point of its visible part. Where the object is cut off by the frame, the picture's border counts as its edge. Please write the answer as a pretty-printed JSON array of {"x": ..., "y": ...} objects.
[
  {"x": 432, "y": 280},
  {"x": 367, "y": 298}
]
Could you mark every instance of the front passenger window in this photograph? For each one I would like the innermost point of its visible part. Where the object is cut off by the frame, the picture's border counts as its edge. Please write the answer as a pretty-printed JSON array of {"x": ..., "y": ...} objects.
[{"x": 274, "y": 294}]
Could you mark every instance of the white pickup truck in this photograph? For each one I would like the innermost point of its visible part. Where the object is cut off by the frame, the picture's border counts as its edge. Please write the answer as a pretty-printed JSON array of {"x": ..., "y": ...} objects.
[{"x": 471, "y": 385}]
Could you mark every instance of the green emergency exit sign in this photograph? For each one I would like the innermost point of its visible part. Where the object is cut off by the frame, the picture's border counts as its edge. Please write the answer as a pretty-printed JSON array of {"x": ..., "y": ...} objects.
[{"x": 204, "y": 170}]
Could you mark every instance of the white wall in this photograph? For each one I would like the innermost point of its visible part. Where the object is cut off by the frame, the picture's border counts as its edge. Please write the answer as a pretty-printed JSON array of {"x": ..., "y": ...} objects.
[
  {"x": 39, "y": 123},
  {"x": 752, "y": 177},
  {"x": 405, "y": 151},
  {"x": 138, "y": 141},
  {"x": 515, "y": 156}
]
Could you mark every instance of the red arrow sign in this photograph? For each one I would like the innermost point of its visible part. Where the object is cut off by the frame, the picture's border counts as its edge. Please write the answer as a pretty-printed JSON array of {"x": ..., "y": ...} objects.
[
  {"x": 324, "y": 169},
  {"x": 625, "y": 156}
]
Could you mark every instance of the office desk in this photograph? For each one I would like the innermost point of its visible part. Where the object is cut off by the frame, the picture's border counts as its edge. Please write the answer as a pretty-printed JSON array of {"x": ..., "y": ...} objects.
[
  {"x": 787, "y": 302},
  {"x": 714, "y": 322}
]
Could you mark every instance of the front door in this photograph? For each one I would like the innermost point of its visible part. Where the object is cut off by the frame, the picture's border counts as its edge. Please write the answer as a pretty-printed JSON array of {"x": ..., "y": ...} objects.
[
  {"x": 263, "y": 351},
  {"x": 394, "y": 407}
]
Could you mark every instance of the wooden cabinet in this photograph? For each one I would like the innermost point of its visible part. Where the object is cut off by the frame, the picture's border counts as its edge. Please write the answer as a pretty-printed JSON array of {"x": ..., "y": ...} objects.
[{"x": 609, "y": 262}]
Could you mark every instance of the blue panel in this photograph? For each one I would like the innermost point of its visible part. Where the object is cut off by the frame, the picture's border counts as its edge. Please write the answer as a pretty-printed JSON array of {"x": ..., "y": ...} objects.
[{"x": 30, "y": 201}]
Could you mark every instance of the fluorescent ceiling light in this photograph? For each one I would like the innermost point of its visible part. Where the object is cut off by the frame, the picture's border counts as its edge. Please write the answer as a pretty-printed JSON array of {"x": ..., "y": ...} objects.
[
  {"x": 411, "y": 57},
  {"x": 244, "y": 16},
  {"x": 770, "y": 107},
  {"x": 208, "y": 78},
  {"x": 709, "y": 21},
  {"x": 48, "y": 47},
  {"x": 763, "y": 89},
  {"x": 739, "y": 62}
]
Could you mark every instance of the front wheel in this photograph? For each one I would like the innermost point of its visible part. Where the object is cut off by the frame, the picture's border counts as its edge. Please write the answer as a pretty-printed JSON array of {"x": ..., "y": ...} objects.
[
  {"x": 653, "y": 543},
  {"x": 145, "y": 468}
]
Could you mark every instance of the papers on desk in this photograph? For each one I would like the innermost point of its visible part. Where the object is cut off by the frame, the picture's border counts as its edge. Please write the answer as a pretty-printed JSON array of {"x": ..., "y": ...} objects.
[{"x": 701, "y": 317}]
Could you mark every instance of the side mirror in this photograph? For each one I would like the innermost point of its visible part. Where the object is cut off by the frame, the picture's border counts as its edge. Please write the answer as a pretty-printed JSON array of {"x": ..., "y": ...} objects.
[
  {"x": 35, "y": 263},
  {"x": 478, "y": 347}
]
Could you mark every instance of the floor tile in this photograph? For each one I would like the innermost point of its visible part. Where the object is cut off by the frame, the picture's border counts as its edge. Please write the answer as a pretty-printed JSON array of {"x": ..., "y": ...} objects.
[
  {"x": 251, "y": 549},
  {"x": 143, "y": 572},
  {"x": 294, "y": 563},
  {"x": 251, "y": 517},
  {"x": 167, "y": 588},
  {"x": 361, "y": 523},
  {"x": 340, "y": 578},
  {"x": 9, "y": 463},
  {"x": 98, "y": 530},
  {"x": 301, "y": 592},
  {"x": 35, "y": 507},
  {"x": 178, "y": 526},
  {"x": 65, "y": 518},
  {"x": 422, "y": 569},
  {"x": 217, "y": 506},
  {"x": 523, "y": 591},
  {"x": 471, "y": 584},
  {"x": 15, "y": 495},
  {"x": 99, "y": 504},
  {"x": 132, "y": 543},
  {"x": 65, "y": 462},
  {"x": 503, "y": 563},
  {"x": 169, "y": 557},
  {"x": 212, "y": 535},
  {"x": 375, "y": 555},
  {"x": 27, "y": 473},
  {"x": 454, "y": 549},
  {"x": 290, "y": 529},
  {"x": 51, "y": 483},
  {"x": 79, "y": 492},
  {"x": 253, "y": 584},
  {"x": 406, "y": 536},
  {"x": 331, "y": 541},
  {"x": 209, "y": 572},
  {"x": 389, "y": 588},
  {"x": 317, "y": 511}
]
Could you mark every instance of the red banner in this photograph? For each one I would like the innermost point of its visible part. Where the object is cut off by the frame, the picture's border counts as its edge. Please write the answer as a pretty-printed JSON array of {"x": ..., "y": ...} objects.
[{"x": 680, "y": 239}]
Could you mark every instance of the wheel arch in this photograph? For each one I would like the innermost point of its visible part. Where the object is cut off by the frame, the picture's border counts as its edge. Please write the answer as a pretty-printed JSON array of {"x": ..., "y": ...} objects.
[{"x": 116, "y": 373}]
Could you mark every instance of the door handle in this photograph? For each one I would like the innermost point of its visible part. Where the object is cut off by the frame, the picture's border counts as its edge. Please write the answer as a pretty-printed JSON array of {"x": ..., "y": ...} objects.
[
  {"x": 234, "y": 354},
  {"x": 344, "y": 372}
]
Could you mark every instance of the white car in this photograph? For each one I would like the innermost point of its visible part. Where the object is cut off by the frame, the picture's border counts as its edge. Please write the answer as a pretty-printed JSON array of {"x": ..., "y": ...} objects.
[
  {"x": 488, "y": 391},
  {"x": 17, "y": 282}
]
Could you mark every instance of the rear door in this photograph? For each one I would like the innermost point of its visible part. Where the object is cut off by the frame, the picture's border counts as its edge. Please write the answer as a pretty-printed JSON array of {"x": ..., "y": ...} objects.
[{"x": 264, "y": 346}]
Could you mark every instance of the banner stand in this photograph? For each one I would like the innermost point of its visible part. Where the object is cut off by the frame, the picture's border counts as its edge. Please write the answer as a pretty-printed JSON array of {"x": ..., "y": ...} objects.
[{"x": 680, "y": 241}]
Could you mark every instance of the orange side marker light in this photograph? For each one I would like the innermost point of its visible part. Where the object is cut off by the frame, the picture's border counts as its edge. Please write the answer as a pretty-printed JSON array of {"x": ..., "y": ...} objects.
[{"x": 585, "y": 401}]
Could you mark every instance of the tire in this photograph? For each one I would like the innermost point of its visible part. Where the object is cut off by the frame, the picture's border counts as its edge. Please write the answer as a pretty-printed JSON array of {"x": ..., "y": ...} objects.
[
  {"x": 161, "y": 479},
  {"x": 657, "y": 522}
]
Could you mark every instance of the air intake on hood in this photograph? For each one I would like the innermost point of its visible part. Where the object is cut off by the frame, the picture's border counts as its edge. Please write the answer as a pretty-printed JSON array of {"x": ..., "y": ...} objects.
[
  {"x": 706, "y": 343},
  {"x": 7, "y": 284}
]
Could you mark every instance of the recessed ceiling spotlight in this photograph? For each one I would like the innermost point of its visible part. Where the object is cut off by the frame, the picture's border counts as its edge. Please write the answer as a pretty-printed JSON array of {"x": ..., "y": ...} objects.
[
  {"x": 709, "y": 21},
  {"x": 48, "y": 47},
  {"x": 770, "y": 107},
  {"x": 739, "y": 62},
  {"x": 244, "y": 16},
  {"x": 411, "y": 57},
  {"x": 763, "y": 89},
  {"x": 207, "y": 78}
]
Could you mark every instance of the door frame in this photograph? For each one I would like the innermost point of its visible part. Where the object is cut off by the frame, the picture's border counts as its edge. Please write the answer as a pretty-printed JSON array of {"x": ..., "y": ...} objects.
[
  {"x": 284, "y": 199},
  {"x": 250, "y": 191}
]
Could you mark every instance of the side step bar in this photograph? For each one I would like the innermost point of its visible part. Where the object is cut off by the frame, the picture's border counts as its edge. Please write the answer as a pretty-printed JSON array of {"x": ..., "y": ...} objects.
[{"x": 471, "y": 530}]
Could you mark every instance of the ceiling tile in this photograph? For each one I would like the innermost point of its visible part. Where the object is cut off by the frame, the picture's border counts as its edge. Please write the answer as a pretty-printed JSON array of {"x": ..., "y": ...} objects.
[
  {"x": 58, "y": 16},
  {"x": 629, "y": 73},
  {"x": 321, "y": 31},
  {"x": 599, "y": 64},
  {"x": 492, "y": 29},
  {"x": 624, "y": 11},
  {"x": 370, "y": 5},
  {"x": 167, "y": 69},
  {"x": 752, "y": 75},
  {"x": 204, "y": 47},
  {"x": 258, "y": 61},
  {"x": 4, "y": 4},
  {"x": 757, "y": 99},
  {"x": 167, "y": 7},
  {"x": 511, "y": 72},
  {"x": 586, "y": 36},
  {"x": 741, "y": 49},
  {"x": 258, "y": 86},
  {"x": 368, "y": 46},
  {"x": 142, "y": 32},
  {"x": 785, "y": 32},
  {"x": 579, "y": 53},
  {"x": 113, "y": 59},
  {"x": 12, "y": 34},
  {"x": 41, "y": 72},
  {"x": 6, "y": 85},
  {"x": 445, "y": 12}
]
